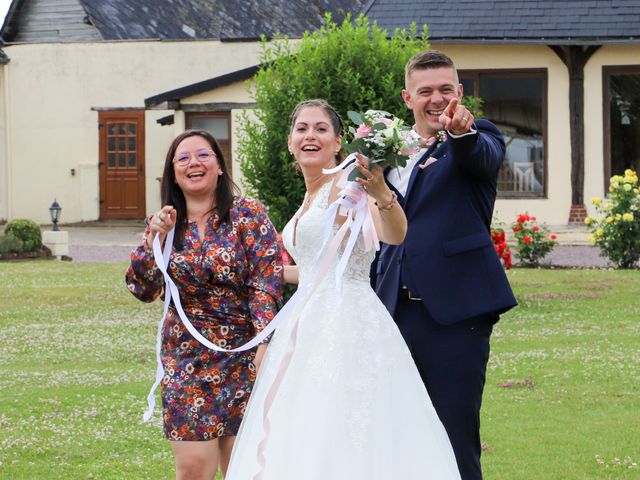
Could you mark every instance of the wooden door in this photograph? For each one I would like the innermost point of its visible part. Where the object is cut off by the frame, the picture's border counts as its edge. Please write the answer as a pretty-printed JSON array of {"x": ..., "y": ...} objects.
[{"x": 122, "y": 173}]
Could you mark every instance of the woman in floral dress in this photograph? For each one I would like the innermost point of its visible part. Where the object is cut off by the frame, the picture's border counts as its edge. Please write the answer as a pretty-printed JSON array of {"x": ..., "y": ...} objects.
[{"x": 227, "y": 265}]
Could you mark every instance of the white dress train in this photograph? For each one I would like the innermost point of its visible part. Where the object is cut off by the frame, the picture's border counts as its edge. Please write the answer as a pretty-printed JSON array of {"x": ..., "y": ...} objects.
[{"x": 351, "y": 405}]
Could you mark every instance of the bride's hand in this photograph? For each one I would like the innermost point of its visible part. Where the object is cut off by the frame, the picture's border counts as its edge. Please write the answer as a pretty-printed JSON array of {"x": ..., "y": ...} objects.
[
  {"x": 260, "y": 351},
  {"x": 373, "y": 183}
]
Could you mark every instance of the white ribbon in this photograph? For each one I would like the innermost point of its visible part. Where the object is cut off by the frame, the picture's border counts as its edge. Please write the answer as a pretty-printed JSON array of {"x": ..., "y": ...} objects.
[
  {"x": 352, "y": 203},
  {"x": 171, "y": 292}
]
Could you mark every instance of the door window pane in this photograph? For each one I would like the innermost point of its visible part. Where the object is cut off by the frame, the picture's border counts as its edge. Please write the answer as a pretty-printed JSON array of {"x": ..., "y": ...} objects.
[
  {"x": 218, "y": 127},
  {"x": 624, "y": 118},
  {"x": 121, "y": 145}
]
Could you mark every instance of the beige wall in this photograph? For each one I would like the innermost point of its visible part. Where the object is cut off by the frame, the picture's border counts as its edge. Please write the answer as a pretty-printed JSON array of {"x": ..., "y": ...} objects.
[
  {"x": 49, "y": 127},
  {"x": 555, "y": 208},
  {"x": 53, "y": 128},
  {"x": 612, "y": 55}
]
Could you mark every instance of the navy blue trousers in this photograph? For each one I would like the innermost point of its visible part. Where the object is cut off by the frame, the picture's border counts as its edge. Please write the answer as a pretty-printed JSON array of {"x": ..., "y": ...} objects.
[{"x": 452, "y": 361}]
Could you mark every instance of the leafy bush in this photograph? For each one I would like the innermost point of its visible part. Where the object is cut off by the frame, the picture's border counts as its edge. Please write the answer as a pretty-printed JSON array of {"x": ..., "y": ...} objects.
[
  {"x": 617, "y": 231},
  {"x": 500, "y": 245},
  {"x": 354, "y": 66},
  {"x": 534, "y": 241},
  {"x": 26, "y": 230},
  {"x": 474, "y": 105},
  {"x": 9, "y": 243}
]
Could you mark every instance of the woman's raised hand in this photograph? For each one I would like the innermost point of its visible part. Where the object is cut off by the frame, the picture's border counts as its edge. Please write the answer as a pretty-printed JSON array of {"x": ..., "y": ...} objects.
[{"x": 162, "y": 223}]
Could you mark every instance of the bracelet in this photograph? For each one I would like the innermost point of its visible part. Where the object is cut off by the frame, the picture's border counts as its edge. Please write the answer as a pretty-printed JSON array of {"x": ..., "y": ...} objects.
[{"x": 394, "y": 200}]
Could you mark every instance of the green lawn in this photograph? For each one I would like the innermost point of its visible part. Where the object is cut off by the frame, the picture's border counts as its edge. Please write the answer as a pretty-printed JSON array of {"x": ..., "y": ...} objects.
[{"x": 77, "y": 358}]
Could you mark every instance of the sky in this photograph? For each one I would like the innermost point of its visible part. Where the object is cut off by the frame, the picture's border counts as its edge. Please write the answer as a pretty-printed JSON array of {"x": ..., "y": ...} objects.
[{"x": 4, "y": 6}]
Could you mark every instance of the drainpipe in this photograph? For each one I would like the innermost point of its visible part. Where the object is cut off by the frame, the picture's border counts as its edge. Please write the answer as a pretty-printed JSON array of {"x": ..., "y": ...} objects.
[{"x": 7, "y": 144}]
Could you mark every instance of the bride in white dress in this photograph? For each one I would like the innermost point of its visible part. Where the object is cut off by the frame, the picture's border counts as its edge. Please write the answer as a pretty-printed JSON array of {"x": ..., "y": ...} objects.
[{"x": 338, "y": 395}]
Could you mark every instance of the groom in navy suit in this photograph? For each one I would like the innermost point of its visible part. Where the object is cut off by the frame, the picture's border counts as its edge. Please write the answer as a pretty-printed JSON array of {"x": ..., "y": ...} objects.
[{"x": 445, "y": 286}]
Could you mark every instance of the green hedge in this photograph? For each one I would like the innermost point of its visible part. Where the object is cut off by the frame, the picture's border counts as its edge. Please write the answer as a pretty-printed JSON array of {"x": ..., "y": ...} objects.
[
  {"x": 10, "y": 244},
  {"x": 27, "y": 231}
]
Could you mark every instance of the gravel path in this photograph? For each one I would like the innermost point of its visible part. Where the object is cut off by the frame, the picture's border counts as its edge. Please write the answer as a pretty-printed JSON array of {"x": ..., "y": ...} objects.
[
  {"x": 100, "y": 253},
  {"x": 574, "y": 256},
  {"x": 566, "y": 256}
]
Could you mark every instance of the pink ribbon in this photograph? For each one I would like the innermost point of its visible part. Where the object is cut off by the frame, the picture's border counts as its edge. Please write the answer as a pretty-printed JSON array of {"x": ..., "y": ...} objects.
[{"x": 353, "y": 204}]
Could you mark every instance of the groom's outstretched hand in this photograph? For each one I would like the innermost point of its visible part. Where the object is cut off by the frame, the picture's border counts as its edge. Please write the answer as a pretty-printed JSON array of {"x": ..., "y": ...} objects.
[{"x": 455, "y": 118}]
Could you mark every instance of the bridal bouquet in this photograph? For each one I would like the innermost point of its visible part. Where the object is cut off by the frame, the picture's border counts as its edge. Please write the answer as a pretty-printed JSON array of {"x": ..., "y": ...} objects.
[{"x": 382, "y": 138}]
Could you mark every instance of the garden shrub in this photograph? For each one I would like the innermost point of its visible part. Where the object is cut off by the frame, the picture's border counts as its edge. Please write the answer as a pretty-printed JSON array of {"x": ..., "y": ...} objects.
[
  {"x": 533, "y": 239},
  {"x": 26, "y": 230},
  {"x": 9, "y": 243},
  {"x": 617, "y": 230},
  {"x": 501, "y": 247}
]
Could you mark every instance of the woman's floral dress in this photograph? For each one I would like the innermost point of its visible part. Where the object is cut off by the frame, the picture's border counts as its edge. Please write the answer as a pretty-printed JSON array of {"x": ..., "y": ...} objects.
[{"x": 230, "y": 285}]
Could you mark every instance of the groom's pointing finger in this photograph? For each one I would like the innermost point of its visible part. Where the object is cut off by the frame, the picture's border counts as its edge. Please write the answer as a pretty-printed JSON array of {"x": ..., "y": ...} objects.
[{"x": 451, "y": 108}]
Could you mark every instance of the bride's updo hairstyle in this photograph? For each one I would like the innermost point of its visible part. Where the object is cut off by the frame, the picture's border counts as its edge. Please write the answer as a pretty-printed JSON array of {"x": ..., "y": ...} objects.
[{"x": 334, "y": 117}]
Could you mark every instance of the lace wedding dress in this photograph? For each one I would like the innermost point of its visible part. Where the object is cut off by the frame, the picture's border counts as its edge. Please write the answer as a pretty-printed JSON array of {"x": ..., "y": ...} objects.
[{"x": 351, "y": 404}]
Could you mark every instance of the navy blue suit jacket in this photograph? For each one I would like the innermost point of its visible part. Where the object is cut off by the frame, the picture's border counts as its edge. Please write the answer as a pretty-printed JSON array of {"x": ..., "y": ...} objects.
[{"x": 447, "y": 257}]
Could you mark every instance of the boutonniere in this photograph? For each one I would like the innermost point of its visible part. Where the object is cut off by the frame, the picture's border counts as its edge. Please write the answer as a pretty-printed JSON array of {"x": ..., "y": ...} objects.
[{"x": 438, "y": 139}]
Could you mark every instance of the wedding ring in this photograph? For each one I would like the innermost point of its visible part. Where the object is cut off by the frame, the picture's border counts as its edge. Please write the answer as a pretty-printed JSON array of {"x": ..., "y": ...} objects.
[{"x": 465, "y": 119}]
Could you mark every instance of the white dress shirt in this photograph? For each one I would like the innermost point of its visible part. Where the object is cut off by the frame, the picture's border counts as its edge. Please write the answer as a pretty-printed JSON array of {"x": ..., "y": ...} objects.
[{"x": 399, "y": 177}]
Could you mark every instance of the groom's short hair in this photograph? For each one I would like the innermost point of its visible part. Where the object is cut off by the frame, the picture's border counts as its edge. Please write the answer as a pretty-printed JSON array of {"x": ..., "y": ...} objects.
[{"x": 426, "y": 60}]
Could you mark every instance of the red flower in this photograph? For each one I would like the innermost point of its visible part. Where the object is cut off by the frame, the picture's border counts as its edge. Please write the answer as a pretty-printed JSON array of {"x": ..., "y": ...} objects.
[
  {"x": 526, "y": 239},
  {"x": 536, "y": 228},
  {"x": 523, "y": 217},
  {"x": 533, "y": 218},
  {"x": 517, "y": 228},
  {"x": 507, "y": 260},
  {"x": 553, "y": 237}
]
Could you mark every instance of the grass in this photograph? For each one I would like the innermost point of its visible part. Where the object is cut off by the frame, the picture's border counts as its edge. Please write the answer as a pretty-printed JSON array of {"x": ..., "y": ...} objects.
[{"x": 562, "y": 399}]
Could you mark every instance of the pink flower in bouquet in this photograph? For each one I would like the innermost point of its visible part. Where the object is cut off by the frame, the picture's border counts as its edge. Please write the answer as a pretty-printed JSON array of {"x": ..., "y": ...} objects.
[
  {"x": 363, "y": 131},
  {"x": 379, "y": 136}
]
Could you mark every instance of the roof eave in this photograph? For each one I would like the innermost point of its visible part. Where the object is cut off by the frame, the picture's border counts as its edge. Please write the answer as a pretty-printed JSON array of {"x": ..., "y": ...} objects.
[
  {"x": 162, "y": 100},
  {"x": 536, "y": 41}
]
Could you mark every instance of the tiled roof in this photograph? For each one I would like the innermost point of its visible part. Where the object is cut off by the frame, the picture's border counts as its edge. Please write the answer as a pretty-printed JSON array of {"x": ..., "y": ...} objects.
[
  {"x": 211, "y": 19},
  {"x": 524, "y": 21},
  {"x": 174, "y": 19}
]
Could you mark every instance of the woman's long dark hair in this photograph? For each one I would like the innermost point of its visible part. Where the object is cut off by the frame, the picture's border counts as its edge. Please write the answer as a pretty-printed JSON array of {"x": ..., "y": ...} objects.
[{"x": 171, "y": 193}]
